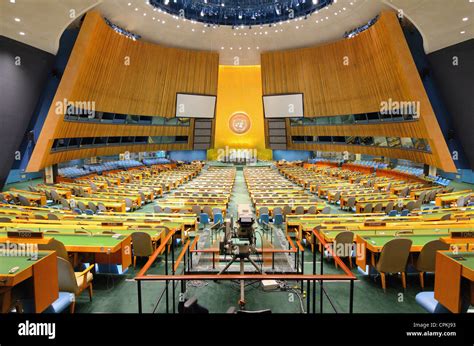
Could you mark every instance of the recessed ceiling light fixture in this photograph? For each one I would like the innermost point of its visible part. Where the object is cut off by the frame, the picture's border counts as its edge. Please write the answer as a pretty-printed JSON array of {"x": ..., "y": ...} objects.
[
  {"x": 22, "y": 33},
  {"x": 17, "y": 19}
]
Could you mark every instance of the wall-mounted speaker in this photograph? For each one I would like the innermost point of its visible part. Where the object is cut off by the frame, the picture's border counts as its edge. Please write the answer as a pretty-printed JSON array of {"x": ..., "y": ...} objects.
[
  {"x": 31, "y": 136},
  {"x": 451, "y": 134}
]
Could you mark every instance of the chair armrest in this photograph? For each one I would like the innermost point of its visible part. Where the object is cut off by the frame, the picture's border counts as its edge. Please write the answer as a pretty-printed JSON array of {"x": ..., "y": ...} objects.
[{"x": 84, "y": 275}]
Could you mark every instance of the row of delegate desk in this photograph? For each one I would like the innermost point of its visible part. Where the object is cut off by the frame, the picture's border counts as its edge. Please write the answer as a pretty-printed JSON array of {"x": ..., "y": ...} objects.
[
  {"x": 268, "y": 188},
  {"x": 211, "y": 188},
  {"x": 111, "y": 247},
  {"x": 112, "y": 193}
]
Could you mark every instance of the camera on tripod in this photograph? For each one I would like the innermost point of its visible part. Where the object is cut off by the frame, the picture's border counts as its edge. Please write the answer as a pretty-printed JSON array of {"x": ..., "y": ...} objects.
[{"x": 240, "y": 239}]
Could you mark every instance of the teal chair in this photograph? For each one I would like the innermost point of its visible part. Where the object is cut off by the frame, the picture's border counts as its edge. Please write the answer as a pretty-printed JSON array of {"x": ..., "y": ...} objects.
[
  {"x": 277, "y": 219},
  {"x": 218, "y": 218},
  {"x": 264, "y": 218},
  {"x": 203, "y": 220}
]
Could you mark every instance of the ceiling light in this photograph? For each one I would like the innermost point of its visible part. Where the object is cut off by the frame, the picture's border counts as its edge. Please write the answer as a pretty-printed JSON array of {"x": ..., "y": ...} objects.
[
  {"x": 465, "y": 19},
  {"x": 463, "y": 32},
  {"x": 12, "y": 1},
  {"x": 17, "y": 19},
  {"x": 22, "y": 33},
  {"x": 136, "y": 8},
  {"x": 222, "y": 47},
  {"x": 144, "y": 14},
  {"x": 129, "y": 4}
]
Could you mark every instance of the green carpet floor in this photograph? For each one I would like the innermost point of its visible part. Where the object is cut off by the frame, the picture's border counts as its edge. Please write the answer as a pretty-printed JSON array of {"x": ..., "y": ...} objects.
[{"x": 118, "y": 293}]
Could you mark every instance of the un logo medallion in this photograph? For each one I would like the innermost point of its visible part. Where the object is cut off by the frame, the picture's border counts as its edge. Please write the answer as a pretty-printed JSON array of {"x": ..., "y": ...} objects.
[{"x": 239, "y": 123}]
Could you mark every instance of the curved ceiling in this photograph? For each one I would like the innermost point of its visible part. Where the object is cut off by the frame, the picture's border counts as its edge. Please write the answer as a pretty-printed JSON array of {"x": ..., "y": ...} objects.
[
  {"x": 241, "y": 46},
  {"x": 42, "y": 23},
  {"x": 239, "y": 12}
]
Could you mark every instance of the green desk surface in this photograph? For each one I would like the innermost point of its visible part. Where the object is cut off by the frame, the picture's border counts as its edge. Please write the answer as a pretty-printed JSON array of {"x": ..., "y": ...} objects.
[
  {"x": 86, "y": 240},
  {"x": 464, "y": 258},
  {"x": 23, "y": 262},
  {"x": 389, "y": 233},
  {"x": 82, "y": 239},
  {"x": 418, "y": 240}
]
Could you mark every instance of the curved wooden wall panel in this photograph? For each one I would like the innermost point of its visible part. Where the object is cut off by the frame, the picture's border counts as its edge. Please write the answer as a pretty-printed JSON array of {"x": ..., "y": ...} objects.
[
  {"x": 126, "y": 77},
  {"x": 355, "y": 76}
]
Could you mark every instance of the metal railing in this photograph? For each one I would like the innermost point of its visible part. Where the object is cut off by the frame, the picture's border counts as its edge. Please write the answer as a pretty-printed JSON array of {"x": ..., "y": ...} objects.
[{"x": 188, "y": 274}]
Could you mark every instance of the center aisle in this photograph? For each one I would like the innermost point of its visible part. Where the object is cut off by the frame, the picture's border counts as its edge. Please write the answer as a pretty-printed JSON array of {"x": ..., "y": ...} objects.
[{"x": 240, "y": 194}]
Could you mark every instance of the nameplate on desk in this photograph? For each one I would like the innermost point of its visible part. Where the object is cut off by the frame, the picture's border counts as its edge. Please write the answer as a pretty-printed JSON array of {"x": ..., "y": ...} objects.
[
  {"x": 462, "y": 234},
  {"x": 463, "y": 218},
  {"x": 25, "y": 234},
  {"x": 375, "y": 224},
  {"x": 111, "y": 224}
]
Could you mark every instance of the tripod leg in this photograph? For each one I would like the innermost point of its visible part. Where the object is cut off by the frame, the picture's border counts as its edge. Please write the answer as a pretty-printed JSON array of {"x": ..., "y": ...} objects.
[
  {"x": 242, "y": 285},
  {"x": 254, "y": 264},
  {"x": 228, "y": 265}
]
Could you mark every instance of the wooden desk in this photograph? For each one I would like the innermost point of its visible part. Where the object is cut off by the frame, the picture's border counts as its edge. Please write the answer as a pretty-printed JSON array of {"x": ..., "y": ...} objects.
[
  {"x": 448, "y": 198},
  {"x": 105, "y": 248},
  {"x": 43, "y": 273},
  {"x": 451, "y": 269}
]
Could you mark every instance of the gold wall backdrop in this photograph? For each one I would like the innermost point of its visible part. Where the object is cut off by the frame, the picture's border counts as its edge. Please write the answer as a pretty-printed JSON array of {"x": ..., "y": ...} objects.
[
  {"x": 126, "y": 77},
  {"x": 354, "y": 76},
  {"x": 240, "y": 91}
]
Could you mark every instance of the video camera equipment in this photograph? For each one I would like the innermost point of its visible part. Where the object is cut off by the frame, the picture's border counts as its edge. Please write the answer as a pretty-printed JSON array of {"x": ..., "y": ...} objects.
[
  {"x": 240, "y": 242},
  {"x": 240, "y": 239}
]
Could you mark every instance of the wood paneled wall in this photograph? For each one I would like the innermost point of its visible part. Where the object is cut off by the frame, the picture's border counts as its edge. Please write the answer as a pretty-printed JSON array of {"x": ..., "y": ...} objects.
[
  {"x": 354, "y": 76},
  {"x": 127, "y": 77}
]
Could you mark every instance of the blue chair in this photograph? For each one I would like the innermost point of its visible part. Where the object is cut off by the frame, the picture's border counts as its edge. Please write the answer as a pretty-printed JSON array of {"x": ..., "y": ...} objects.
[
  {"x": 278, "y": 220},
  {"x": 203, "y": 219},
  {"x": 77, "y": 211},
  {"x": 264, "y": 218},
  {"x": 405, "y": 212},
  {"x": 218, "y": 218},
  {"x": 89, "y": 212},
  {"x": 429, "y": 303},
  {"x": 63, "y": 302},
  {"x": 392, "y": 213}
]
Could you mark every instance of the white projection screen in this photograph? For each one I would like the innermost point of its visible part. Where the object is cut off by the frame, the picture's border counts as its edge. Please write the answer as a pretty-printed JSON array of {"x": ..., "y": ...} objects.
[
  {"x": 195, "y": 106},
  {"x": 283, "y": 106}
]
